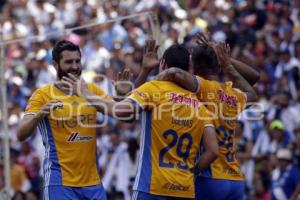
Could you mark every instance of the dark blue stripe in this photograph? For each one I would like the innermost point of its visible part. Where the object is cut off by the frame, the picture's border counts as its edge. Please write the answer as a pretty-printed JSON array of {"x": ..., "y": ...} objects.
[
  {"x": 55, "y": 176},
  {"x": 140, "y": 109},
  {"x": 146, "y": 169}
]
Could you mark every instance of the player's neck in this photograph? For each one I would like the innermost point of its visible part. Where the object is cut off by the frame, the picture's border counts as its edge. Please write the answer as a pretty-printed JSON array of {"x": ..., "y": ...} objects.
[
  {"x": 211, "y": 77},
  {"x": 208, "y": 75}
]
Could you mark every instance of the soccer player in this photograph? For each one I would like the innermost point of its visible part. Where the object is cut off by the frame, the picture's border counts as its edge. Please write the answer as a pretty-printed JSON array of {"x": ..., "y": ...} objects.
[
  {"x": 67, "y": 126},
  {"x": 174, "y": 124},
  {"x": 223, "y": 179}
]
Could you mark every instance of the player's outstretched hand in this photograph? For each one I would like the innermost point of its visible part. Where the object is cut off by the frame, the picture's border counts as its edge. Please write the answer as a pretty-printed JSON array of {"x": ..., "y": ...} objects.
[
  {"x": 48, "y": 108},
  {"x": 150, "y": 58},
  {"x": 223, "y": 53},
  {"x": 202, "y": 39},
  {"x": 123, "y": 84}
]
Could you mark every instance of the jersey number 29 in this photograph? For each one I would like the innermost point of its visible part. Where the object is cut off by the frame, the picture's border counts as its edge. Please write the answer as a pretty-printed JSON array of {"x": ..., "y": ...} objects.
[{"x": 178, "y": 142}]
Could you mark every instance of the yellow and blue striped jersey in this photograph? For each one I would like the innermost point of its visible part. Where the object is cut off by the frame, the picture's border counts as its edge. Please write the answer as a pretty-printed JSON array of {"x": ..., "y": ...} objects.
[
  {"x": 69, "y": 137},
  {"x": 173, "y": 121},
  {"x": 224, "y": 104}
]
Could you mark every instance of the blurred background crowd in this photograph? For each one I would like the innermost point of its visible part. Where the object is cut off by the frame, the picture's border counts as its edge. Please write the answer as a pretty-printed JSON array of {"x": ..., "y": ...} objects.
[{"x": 263, "y": 33}]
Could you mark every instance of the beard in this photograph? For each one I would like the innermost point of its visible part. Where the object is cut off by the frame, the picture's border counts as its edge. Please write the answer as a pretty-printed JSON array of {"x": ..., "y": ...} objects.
[{"x": 61, "y": 73}]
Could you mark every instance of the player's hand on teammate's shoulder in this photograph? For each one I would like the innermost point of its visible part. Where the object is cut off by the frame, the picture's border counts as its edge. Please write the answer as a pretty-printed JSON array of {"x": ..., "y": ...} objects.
[
  {"x": 48, "y": 108},
  {"x": 150, "y": 58},
  {"x": 123, "y": 84}
]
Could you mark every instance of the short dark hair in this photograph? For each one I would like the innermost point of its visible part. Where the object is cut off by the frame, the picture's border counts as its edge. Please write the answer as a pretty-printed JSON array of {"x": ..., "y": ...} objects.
[
  {"x": 62, "y": 46},
  {"x": 205, "y": 57},
  {"x": 177, "y": 56}
]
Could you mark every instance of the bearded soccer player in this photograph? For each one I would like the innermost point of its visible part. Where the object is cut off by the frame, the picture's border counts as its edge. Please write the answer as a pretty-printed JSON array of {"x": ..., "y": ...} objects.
[
  {"x": 174, "y": 124},
  {"x": 67, "y": 126}
]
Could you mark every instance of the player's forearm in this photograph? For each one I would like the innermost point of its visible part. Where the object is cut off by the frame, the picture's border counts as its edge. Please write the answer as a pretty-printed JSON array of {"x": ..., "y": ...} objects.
[
  {"x": 142, "y": 77},
  {"x": 181, "y": 77},
  {"x": 103, "y": 106},
  {"x": 123, "y": 110},
  {"x": 186, "y": 80},
  {"x": 250, "y": 74},
  {"x": 211, "y": 149},
  {"x": 241, "y": 83},
  {"x": 27, "y": 127},
  {"x": 206, "y": 159}
]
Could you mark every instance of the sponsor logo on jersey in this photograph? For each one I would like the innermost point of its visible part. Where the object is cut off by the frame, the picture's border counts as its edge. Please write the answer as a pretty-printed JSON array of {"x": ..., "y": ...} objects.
[
  {"x": 230, "y": 100},
  {"x": 171, "y": 186},
  {"x": 75, "y": 137},
  {"x": 184, "y": 100},
  {"x": 75, "y": 103}
]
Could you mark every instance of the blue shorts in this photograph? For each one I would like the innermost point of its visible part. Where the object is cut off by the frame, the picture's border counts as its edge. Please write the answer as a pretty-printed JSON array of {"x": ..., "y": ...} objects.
[
  {"x": 60, "y": 192},
  {"x": 217, "y": 189},
  {"x": 138, "y": 195}
]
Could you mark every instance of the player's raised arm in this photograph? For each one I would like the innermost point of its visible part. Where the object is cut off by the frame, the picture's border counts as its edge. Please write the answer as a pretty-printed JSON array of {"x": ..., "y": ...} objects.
[
  {"x": 223, "y": 52},
  {"x": 150, "y": 62},
  {"x": 30, "y": 121},
  {"x": 123, "y": 110},
  {"x": 248, "y": 73},
  {"x": 123, "y": 84}
]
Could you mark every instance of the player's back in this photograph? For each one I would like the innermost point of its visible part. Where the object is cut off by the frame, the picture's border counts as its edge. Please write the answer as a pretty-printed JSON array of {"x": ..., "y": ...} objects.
[
  {"x": 171, "y": 136},
  {"x": 225, "y": 103}
]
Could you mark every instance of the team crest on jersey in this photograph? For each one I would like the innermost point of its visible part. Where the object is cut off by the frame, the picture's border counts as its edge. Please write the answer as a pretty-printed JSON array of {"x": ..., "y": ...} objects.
[
  {"x": 75, "y": 103},
  {"x": 75, "y": 137}
]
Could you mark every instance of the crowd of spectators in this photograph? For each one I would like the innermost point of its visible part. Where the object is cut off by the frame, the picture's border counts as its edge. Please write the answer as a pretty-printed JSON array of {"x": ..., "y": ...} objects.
[{"x": 265, "y": 34}]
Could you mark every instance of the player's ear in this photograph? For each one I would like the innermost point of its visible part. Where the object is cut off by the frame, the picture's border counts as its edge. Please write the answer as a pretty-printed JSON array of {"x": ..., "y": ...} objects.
[
  {"x": 163, "y": 64},
  {"x": 55, "y": 64}
]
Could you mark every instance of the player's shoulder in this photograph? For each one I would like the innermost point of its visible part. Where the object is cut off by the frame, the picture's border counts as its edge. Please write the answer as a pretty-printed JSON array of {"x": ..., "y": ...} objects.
[
  {"x": 44, "y": 89},
  {"x": 230, "y": 89},
  {"x": 93, "y": 87},
  {"x": 208, "y": 82},
  {"x": 42, "y": 92},
  {"x": 165, "y": 85},
  {"x": 151, "y": 85}
]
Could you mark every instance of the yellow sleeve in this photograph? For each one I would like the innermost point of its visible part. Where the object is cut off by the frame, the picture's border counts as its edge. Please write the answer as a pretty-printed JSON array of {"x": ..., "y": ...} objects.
[
  {"x": 241, "y": 98},
  {"x": 206, "y": 117},
  {"x": 204, "y": 87},
  {"x": 143, "y": 95},
  {"x": 35, "y": 103},
  {"x": 98, "y": 91}
]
